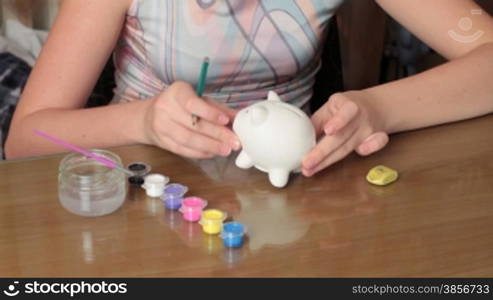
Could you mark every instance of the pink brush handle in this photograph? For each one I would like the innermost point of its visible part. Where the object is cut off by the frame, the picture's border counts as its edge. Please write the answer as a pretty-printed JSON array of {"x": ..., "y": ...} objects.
[{"x": 101, "y": 159}]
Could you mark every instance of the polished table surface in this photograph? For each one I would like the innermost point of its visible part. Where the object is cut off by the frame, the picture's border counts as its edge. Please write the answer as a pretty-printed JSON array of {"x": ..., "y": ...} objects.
[{"x": 436, "y": 220}]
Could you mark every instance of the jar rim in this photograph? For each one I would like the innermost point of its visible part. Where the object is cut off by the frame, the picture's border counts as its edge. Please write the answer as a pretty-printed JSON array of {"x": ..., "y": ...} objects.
[
  {"x": 101, "y": 152},
  {"x": 72, "y": 157}
]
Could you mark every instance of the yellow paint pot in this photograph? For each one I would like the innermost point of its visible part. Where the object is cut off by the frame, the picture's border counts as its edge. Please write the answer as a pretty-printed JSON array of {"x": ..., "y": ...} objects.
[{"x": 212, "y": 221}]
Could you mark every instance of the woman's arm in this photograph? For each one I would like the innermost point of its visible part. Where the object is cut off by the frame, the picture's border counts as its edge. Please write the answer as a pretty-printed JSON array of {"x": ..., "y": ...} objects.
[
  {"x": 78, "y": 46},
  {"x": 457, "y": 90}
]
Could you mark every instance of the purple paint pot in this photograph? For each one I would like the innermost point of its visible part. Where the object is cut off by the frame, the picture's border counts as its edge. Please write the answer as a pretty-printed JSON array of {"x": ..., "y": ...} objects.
[{"x": 173, "y": 195}]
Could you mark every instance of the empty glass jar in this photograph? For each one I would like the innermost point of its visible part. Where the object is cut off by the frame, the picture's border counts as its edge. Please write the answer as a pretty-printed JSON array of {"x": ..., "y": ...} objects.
[{"x": 88, "y": 188}]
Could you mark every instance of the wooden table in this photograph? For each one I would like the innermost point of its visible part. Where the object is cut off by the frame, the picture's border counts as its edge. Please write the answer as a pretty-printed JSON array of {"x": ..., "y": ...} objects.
[{"x": 436, "y": 220}]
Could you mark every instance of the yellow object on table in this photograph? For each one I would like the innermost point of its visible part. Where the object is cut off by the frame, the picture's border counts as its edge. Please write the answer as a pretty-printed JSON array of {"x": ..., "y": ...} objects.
[
  {"x": 212, "y": 221},
  {"x": 382, "y": 175}
]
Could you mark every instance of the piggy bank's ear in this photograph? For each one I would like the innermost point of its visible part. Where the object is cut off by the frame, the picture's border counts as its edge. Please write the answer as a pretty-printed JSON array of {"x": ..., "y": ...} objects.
[
  {"x": 258, "y": 115},
  {"x": 272, "y": 96}
]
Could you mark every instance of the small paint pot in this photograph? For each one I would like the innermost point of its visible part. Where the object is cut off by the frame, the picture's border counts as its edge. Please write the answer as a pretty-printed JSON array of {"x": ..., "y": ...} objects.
[
  {"x": 154, "y": 184},
  {"x": 136, "y": 180},
  {"x": 139, "y": 169},
  {"x": 173, "y": 195},
  {"x": 212, "y": 221},
  {"x": 191, "y": 208},
  {"x": 233, "y": 234}
]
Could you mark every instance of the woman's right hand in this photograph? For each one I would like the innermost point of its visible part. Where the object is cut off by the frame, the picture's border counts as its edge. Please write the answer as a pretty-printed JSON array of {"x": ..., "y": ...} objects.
[{"x": 168, "y": 123}]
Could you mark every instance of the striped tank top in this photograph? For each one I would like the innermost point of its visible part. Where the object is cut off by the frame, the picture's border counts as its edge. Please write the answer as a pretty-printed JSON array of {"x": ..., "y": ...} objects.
[{"x": 254, "y": 46}]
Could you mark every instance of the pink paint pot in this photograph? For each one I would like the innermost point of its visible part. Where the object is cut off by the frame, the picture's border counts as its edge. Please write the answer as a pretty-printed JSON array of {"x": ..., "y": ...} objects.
[{"x": 192, "y": 207}]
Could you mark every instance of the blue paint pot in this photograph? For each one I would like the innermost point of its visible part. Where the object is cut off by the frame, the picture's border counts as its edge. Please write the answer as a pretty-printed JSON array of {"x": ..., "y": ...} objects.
[
  {"x": 233, "y": 234},
  {"x": 173, "y": 195}
]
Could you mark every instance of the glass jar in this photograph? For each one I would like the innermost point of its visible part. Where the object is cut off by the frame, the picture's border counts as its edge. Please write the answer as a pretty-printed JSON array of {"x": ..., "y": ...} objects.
[{"x": 88, "y": 188}]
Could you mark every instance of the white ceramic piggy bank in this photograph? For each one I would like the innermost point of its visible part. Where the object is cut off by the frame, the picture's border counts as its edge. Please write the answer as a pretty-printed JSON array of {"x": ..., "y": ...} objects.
[{"x": 275, "y": 136}]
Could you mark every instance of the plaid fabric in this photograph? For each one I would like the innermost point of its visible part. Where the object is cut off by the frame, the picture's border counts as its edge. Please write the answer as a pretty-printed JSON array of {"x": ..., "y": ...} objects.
[{"x": 13, "y": 77}]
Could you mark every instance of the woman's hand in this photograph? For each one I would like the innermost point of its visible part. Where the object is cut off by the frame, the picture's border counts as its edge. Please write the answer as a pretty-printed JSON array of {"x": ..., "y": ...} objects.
[
  {"x": 349, "y": 123},
  {"x": 168, "y": 124}
]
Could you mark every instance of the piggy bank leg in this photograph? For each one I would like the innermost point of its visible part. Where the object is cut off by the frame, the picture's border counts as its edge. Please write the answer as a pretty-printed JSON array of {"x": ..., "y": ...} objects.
[
  {"x": 278, "y": 178},
  {"x": 243, "y": 161}
]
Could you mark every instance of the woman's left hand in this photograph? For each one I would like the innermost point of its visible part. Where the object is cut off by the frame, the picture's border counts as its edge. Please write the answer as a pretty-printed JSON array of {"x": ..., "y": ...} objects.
[{"x": 349, "y": 123}]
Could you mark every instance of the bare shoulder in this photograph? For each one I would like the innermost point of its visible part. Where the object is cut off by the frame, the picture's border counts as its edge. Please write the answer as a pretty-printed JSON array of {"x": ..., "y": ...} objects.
[{"x": 78, "y": 46}]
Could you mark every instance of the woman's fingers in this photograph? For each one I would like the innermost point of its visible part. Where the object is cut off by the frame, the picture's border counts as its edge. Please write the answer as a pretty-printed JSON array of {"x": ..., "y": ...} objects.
[
  {"x": 325, "y": 147},
  {"x": 231, "y": 113},
  {"x": 191, "y": 139},
  {"x": 332, "y": 150},
  {"x": 349, "y": 125},
  {"x": 373, "y": 143},
  {"x": 319, "y": 118},
  {"x": 183, "y": 150},
  {"x": 334, "y": 115},
  {"x": 344, "y": 113},
  {"x": 197, "y": 106},
  {"x": 335, "y": 156},
  {"x": 339, "y": 131},
  {"x": 170, "y": 123},
  {"x": 219, "y": 133},
  {"x": 185, "y": 96}
]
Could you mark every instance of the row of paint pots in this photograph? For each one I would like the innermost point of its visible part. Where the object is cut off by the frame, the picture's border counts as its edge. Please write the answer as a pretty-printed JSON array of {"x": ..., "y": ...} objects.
[{"x": 192, "y": 209}]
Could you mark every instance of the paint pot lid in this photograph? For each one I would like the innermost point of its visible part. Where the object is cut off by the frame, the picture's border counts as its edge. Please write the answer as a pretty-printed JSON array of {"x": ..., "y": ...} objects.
[
  {"x": 174, "y": 190},
  {"x": 190, "y": 204},
  {"x": 233, "y": 229},
  {"x": 156, "y": 178},
  {"x": 139, "y": 168},
  {"x": 212, "y": 216}
]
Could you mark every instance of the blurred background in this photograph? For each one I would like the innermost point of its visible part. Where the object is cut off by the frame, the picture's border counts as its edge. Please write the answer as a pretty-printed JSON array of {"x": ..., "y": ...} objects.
[{"x": 364, "y": 47}]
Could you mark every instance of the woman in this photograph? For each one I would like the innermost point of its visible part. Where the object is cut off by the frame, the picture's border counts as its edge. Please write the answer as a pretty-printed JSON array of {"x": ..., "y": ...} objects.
[{"x": 254, "y": 46}]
